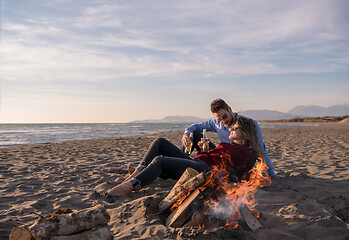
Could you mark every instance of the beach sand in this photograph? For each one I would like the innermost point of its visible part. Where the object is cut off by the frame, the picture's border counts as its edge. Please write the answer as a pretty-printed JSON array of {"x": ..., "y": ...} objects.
[{"x": 310, "y": 202}]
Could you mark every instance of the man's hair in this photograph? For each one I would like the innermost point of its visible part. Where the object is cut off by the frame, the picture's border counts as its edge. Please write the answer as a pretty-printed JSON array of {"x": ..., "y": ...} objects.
[{"x": 218, "y": 104}]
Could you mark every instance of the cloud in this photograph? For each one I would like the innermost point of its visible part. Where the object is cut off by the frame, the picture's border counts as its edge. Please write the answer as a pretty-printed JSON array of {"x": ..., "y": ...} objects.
[
  {"x": 106, "y": 48},
  {"x": 147, "y": 39},
  {"x": 104, "y": 16}
]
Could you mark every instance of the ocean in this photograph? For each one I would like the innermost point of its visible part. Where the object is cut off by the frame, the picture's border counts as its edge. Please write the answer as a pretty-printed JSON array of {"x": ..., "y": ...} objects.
[{"x": 25, "y": 134}]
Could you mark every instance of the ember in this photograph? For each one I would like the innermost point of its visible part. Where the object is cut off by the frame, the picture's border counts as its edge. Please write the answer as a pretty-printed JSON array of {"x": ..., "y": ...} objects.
[{"x": 224, "y": 199}]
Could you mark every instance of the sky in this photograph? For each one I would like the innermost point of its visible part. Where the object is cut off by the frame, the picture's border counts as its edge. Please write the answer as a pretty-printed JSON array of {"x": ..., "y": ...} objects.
[{"x": 124, "y": 60}]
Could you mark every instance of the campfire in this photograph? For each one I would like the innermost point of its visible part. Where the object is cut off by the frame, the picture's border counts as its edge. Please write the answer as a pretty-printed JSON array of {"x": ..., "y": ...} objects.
[{"x": 216, "y": 200}]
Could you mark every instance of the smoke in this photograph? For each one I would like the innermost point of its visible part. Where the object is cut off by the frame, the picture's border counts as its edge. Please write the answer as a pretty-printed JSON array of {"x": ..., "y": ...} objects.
[{"x": 224, "y": 209}]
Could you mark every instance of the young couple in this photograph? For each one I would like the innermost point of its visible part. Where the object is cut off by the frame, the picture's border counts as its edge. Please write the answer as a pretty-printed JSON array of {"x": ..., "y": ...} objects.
[{"x": 240, "y": 137}]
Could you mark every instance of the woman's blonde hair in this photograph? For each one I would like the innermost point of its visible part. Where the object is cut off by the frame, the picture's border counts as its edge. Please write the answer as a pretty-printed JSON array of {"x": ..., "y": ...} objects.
[{"x": 249, "y": 133}]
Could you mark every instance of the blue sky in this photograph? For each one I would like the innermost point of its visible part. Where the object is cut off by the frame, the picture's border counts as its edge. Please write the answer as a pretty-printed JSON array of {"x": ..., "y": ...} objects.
[{"x": 118, "y": 61}]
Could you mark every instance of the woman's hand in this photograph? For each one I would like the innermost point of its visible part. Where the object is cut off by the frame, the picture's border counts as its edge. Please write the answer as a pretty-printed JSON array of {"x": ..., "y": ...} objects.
[{"x": 201, "y": 143}]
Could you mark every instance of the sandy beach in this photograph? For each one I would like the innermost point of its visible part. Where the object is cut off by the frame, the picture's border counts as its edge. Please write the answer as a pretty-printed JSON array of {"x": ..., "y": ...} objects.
[{"x": 310, "y": 202}]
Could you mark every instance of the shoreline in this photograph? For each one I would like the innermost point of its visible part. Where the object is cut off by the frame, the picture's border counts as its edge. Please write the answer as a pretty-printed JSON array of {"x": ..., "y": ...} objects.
[
  {"x": 67, "y": 139},
  {"x": 311, "y": 202},
  {"x": 315, "y": 123}
]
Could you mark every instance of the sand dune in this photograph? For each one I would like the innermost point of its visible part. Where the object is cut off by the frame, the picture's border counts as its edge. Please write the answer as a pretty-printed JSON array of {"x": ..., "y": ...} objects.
[{"x": 311, "y": 202}]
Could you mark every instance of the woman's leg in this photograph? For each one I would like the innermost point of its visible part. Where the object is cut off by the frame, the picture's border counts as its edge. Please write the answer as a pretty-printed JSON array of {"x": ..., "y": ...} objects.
[
  {"x": 121, "y": 190},
  {"x": 169, "y": 166},
  {"x": 160, "y": 147}
]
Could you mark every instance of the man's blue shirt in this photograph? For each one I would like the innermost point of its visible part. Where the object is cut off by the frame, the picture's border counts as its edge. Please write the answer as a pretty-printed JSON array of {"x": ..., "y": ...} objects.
[{"x": 223, "y": 134}]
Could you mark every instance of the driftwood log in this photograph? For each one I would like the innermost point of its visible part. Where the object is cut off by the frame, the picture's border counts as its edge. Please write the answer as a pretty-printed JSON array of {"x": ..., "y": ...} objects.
[
  {"x": 181, "y": 189},
  {"x": 102, "y": 233},
  {"x": 63, "y": 224},
  {"x": 21, "y": 233}
]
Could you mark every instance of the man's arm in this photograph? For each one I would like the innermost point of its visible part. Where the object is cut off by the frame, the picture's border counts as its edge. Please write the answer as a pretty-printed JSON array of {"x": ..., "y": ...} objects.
[{"x": 208, "y": 125}]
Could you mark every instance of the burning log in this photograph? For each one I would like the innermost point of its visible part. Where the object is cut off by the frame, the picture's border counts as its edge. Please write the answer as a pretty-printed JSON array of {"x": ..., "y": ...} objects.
[
  {"x": 190, "y": 179},
  {"x": 215, "y": 204},
  {"x": 65, "y": 223},
  {"x": 178, "y": 217},
  {"x": 196, "y": 220},
  {"x": 187, "y": 210},
  {"x": 250, "y": 220},
  {"x": 188, "y": 174}
]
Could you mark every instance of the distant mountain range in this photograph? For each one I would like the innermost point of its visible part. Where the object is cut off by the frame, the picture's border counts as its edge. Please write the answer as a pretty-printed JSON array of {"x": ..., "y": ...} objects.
[
  {"x": 267, "y": 115},
  {"x": 317, "y": 111},
  {"x": 299, "y": 111}
]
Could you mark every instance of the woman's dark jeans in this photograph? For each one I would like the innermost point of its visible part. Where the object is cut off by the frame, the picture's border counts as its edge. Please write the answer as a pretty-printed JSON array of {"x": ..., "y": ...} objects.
[{"x": 164, "y": 159}]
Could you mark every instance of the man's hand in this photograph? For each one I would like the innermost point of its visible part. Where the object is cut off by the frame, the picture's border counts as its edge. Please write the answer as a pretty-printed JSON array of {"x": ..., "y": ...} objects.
[{"x": 186, "y": 140}]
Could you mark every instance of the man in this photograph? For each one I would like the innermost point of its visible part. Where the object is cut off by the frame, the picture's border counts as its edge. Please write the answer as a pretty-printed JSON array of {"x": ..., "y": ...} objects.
[{"x": 224, "y": 118}]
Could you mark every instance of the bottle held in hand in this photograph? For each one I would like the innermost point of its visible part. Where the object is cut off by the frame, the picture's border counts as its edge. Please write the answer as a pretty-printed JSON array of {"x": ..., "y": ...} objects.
[
  {"x": 188, "y": 149},
  {"x": 205, "y": 146}
]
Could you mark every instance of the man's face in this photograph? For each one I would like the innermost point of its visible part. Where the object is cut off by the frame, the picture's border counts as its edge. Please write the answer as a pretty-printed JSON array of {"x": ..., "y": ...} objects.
[{"x": 224, "y": 116}]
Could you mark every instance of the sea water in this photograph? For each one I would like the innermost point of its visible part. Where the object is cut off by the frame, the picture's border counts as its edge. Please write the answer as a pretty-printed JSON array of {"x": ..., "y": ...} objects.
[{"x": 24, "y": 134}]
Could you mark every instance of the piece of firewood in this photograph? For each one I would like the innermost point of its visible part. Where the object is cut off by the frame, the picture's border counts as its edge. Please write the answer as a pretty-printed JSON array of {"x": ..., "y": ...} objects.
[
  {"x": 20, "y": 233},
  {"x": 180, "y": 189},
  {"x": 195, "y": 181},
  {"x": 188, "y": 174},
  {"x": 70, "y": 223},
  {"x": 250, "y": 220},
  {"x": 166, "y": 202},
  {"x": 179, "y": 216},
  {"x": 102, "y": 233},
  {"x": 196, "y": 220}
]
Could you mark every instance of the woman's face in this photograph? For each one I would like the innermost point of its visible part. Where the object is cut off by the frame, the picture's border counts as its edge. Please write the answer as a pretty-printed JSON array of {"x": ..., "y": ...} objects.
[{"x": 235, "y": 132}]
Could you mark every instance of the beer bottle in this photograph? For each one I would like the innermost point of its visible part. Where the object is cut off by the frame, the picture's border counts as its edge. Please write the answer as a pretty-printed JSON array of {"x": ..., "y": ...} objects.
[
  {"x": 205, "y": 146},
  {"x": 188, "y": 149}
]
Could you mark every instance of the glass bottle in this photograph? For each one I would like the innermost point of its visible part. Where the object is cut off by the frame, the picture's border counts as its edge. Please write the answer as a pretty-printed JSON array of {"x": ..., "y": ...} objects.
[{"x": 205, "y": 145}]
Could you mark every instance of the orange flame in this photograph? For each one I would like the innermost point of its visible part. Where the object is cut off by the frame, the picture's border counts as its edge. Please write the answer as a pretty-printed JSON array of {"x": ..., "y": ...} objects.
[
  {"x": 181, "y": 198},
  {"x": 231, "y": 196},
  {"x": 227, "y": 197}
]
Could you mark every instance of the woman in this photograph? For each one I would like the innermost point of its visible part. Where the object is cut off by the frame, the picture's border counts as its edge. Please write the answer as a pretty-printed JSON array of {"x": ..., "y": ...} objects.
[{"x": 163, "y": 159}]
